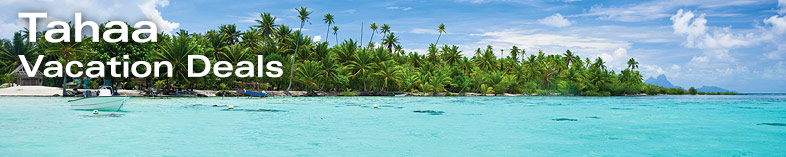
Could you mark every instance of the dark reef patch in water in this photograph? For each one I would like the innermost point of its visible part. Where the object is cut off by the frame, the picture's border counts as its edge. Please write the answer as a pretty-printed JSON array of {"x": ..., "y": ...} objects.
[
  {"x": 565, "y": 119},
  {"x": 104, "y": 115},
  {"x": 773, "y": 124},
  {"x": 257, "y": 110},
  {"x": 430, "y": 112},
  {"x": 593, "y": 117}
]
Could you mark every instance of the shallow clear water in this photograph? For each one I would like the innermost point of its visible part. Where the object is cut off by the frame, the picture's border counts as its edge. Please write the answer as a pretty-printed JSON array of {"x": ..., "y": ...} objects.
[{"x": 454, "y": 126}]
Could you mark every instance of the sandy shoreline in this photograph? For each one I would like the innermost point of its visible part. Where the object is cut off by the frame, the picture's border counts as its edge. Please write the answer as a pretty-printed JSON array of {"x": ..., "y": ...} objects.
[{"x": 44, "y": 91}]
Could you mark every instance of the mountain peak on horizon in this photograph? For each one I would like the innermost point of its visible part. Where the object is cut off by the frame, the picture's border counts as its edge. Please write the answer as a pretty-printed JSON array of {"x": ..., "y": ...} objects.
[{"x": 660, "y": 80}]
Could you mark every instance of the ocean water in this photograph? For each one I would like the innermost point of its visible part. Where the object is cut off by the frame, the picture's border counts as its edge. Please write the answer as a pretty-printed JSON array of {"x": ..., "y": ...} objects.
[{"x": 748, "y": 125}]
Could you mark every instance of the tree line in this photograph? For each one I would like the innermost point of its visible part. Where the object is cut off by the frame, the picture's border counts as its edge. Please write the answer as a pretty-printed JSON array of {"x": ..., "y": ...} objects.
[{"x": 378, "y": 67}]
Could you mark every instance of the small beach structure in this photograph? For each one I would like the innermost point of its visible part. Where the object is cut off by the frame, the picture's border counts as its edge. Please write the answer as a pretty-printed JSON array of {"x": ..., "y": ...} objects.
[{"x": 24, "y": 80}]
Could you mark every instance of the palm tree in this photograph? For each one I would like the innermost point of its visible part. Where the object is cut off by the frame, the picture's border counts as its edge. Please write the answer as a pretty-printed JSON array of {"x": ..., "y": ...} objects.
[
  {"x": 385, "y": 29},
  {"x": 569, "y": 56},
  {"x": 514, "y": 53},
  {"x": 235, "y": 54},
  {"x": 633, "y": 64},
  {"x": 440, "y": 29},
  {"x": 176, "y": 52},
  {"x": 388, "y": 73},
  {"x": 267, "y": 24},
  {"x": 335, "y": 33},
  {"x": 451, "y": 55},
  {"x": 303, "y": 16},
  {"x": 331, "y": 69},
  {"x": 329, "y": 20},
  {"x": 66, "y": 50},
  {"x": 373, "y": 27},
  {"x": 231, "y": 32},
  {"x": 17, "y": 46},
  {"x": 309, "y": 73},
  {"x": 361, "y": 66},
  {"x": 390, "y": 40}
]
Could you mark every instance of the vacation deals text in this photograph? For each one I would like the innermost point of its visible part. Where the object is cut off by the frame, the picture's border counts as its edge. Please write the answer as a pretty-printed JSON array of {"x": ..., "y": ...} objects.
[{"x": 146, "y": 31}]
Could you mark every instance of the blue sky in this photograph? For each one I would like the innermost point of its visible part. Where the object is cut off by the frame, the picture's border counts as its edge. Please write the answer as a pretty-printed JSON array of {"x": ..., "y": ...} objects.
[{"x": 738, "y": 44}]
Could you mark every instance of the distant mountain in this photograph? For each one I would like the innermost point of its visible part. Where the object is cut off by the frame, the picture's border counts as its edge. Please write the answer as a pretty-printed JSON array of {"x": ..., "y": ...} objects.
[
  {"x": 660, "y": 81},
  {"x": 712, "y": 89}
]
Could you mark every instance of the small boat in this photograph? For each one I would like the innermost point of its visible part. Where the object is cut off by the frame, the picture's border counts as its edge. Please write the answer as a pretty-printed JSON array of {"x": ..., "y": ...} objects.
[
  {"x": 106, "y": 100},
  {"x": 251, "y": 93}
]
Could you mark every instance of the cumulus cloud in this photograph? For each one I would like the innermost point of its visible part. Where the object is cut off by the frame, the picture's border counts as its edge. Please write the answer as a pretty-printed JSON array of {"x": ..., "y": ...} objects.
[
  {"x": 652, "y": 70},
  {"x": 716, "y": 42},
  {"x": 317, "y": 38},
  {"x": 555, "y": 20},
  {"x": 551, "y": 42},
  {"x": 616, "y": 60},
  {"x": 699, "y": 36},
  {"x": 130, "y": 11},
  {"x": 778, "y": 23},
  {"x": 782, "y": 6}
]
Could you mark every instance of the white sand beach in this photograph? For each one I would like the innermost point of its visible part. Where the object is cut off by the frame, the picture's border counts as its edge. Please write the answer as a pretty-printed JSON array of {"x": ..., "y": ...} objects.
[
  {"x": 30, "y": 91},
  {"x": 44, "y": 91}
]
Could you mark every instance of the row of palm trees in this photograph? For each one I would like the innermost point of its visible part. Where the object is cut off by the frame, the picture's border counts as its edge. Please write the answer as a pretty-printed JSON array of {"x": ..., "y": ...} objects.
[{"x": 349, "y": 65}]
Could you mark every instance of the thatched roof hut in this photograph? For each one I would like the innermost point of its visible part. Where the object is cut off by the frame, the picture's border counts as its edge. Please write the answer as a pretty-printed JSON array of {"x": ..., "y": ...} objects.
[{"x": 23, "y": 80}]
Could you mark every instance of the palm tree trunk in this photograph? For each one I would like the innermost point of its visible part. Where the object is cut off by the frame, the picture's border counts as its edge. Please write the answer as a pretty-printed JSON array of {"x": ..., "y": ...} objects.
[
  {"x": 327, "y": 34},
  {"x": 371, "y": 40},
  {"x": 64, "y": 85},
  {"x": 292, "y": 65},
  {"x": 440, "y": 35}
]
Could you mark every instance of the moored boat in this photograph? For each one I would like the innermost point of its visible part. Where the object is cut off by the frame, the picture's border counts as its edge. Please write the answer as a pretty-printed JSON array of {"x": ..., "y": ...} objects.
[
  {"x": 105, "y": 101},
  {"x": 252, "y": 93}
]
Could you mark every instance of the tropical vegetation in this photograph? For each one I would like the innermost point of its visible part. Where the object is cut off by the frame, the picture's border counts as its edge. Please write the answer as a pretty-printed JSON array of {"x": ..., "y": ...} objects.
[{"x": 379, "y": 67}]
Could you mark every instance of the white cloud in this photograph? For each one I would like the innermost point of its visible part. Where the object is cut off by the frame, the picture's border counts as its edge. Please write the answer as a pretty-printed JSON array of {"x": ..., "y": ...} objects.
[
  {"x": 350, "y": 11},
  {"x": 715, "y": 41},
  {"x": 317, "y": 38},
  {"x": 130, "y": 11},
  {"x": 656, "y": 9},
  {"x": 149, "y": 10},
  {"x": 474, "y": 1},
  {"x": 652, "y": 70},
  {"x": 7, "y": 30},
  {"x": 618, "y": 59},
  {"x": 782, "y": 5},
  {"x": 424, "y": 31},
  {"x": 777, "y": 54},
  {"x": 675, "y": 67},
  {"x": 777, "y": 71},
  {"x": 553, "y": 43},
  {"x": 555, "y": 20},
  {"x": 778, "y": 23},
  {"x": 399, "y": 8}
]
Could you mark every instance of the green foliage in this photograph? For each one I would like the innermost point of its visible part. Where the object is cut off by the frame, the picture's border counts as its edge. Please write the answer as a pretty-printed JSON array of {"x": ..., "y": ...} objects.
[{"x": 346, "y": 66}]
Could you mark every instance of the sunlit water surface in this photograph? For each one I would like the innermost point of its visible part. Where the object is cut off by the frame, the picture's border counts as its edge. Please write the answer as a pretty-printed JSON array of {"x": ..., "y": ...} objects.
[{"x": 402, "y": 126}]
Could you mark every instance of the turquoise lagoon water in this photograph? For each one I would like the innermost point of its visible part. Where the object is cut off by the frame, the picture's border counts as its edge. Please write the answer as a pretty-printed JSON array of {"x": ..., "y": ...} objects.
[{"x": 403, "y": 126}]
